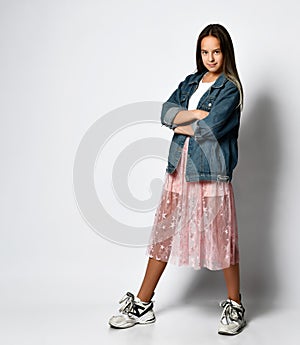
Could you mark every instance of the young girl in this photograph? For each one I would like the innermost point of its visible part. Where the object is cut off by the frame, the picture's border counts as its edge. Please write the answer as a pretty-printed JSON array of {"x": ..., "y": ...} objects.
[{"x": 195, "y": 223}]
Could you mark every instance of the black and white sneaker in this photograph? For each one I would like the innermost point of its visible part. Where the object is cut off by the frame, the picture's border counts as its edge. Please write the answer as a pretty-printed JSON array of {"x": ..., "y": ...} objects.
[
  {"x": 232, "y": 319},
  {"x": 133, "y": 311}
]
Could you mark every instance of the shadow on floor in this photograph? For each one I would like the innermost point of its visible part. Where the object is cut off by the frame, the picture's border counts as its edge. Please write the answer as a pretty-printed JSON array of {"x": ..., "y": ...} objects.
[{"x": 254, "y": 182}]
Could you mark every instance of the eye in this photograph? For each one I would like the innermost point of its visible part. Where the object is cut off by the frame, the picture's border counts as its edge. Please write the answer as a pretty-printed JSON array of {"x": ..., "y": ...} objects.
[
  {"x": 217, "y": 52},
  {"x": 204, "y": 52}
]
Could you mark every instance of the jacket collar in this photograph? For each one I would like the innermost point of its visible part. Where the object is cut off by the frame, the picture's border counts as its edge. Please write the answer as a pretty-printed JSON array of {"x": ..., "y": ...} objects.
[{"x": 196, "y": 77}]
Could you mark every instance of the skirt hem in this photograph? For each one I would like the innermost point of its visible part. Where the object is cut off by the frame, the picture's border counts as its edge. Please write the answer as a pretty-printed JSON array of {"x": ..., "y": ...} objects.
[{"x": 196, "y": 267}]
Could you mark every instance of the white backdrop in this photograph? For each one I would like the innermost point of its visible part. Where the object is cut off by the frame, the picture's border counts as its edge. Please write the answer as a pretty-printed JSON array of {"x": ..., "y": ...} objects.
[{"x": 64, "y": 65}]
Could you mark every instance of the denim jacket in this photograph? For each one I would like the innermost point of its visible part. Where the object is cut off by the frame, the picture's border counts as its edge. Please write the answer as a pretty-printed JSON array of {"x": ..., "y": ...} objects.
[{"x": 213, "y": 149}]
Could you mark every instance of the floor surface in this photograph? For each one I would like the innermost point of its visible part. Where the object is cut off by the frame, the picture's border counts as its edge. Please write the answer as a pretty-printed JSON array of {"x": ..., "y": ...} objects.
[{"x": 176, "y": 324}]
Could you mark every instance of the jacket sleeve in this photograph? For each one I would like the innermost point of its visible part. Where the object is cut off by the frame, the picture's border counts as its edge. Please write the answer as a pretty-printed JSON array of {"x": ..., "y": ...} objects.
[
  {"x": 173, "y": 106},
  {"x": 223, "y": 116}
]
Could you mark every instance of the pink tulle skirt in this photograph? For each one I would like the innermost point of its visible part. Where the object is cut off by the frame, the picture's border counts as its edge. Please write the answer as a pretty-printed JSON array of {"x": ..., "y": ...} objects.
[{"x": 195, "y": 222}]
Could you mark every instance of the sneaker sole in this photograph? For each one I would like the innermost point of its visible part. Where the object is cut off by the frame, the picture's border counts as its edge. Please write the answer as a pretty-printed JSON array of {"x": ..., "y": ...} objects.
[
  {"x": 235, "y": 333},
  {"x": 128, "y": 325}
]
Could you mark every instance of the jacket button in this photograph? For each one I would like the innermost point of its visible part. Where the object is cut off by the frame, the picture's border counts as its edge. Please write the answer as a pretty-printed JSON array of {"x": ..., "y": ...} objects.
[{"x": 209, "y": 104}]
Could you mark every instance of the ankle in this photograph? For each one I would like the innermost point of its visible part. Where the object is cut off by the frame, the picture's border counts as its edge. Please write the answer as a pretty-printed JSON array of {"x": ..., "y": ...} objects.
[
  {"x": 238, "y": 301},
  {"x": 143, "y": 299},
  {"x": 235, "y": 299}
]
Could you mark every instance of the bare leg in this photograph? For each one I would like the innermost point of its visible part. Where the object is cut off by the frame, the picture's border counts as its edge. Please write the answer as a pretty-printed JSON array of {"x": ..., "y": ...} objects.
[
  {"x": 232, "y": 279},
  {"x": 154, "y": 271}
]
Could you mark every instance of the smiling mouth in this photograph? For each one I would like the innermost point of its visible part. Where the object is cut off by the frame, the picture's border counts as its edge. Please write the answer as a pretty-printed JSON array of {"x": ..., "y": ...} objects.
[{"x": 212, "y": 65}]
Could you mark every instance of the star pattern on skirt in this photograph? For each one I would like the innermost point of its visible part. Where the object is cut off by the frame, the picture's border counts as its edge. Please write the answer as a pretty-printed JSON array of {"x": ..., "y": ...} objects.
[{"x": 195, "y": 222}]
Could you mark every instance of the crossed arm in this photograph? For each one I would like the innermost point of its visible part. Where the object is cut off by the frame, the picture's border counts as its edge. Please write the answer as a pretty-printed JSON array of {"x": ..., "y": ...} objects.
[{"x": 185, "y": 116}]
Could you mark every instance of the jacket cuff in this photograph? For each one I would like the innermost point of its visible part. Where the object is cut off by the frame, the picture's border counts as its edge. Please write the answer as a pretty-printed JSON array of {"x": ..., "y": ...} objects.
[
  {"x": 194, "y": 125},
  {"x": 170, "y": 115}
]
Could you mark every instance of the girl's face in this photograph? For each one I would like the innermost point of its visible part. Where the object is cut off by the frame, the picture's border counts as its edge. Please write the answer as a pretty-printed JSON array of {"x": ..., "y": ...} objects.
[{"x": 212, "y": 55}]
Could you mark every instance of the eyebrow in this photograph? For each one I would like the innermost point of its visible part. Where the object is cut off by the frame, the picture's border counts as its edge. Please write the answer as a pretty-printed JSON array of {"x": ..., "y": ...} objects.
[{"x": 204, "y": 50}]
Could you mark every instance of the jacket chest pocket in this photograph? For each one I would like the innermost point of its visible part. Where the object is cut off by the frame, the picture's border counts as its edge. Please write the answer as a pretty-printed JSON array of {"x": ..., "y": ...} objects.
[{"x": 207, "y": 103}]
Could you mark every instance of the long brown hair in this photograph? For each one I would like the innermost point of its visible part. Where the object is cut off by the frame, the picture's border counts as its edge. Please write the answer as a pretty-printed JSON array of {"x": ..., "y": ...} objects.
[{"x": 226, "y": 45}]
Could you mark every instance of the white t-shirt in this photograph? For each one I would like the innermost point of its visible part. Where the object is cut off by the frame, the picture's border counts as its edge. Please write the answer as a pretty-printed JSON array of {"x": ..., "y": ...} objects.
[
  {"x": 212, "y": 189},
  {"x": 194, "y": 99}
]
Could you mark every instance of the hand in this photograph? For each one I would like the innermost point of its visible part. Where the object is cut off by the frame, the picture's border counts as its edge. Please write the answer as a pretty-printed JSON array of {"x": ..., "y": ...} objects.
[
  {"x": 200, "y": 114},
  {"x": 186, "y": 130}
]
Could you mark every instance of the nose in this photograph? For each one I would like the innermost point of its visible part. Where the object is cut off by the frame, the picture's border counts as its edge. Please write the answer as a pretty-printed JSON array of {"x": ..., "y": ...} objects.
[{"x": 210, "y": 56}]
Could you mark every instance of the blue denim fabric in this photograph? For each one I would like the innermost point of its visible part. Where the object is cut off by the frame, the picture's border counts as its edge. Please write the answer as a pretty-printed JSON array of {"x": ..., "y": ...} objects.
[{"x": 213, "y": 149}]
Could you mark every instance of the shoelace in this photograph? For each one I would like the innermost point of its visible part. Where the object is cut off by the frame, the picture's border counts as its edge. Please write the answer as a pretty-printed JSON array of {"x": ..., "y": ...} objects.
[
  {"x": 231, "y": 312},
  {"x": 128, "y": 302}
]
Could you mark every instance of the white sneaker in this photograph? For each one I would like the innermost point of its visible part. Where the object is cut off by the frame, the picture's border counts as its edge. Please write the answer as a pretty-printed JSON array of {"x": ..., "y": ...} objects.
[
  {"x": 232, "y": 319},
  {"x": 133, "y": 311}
]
